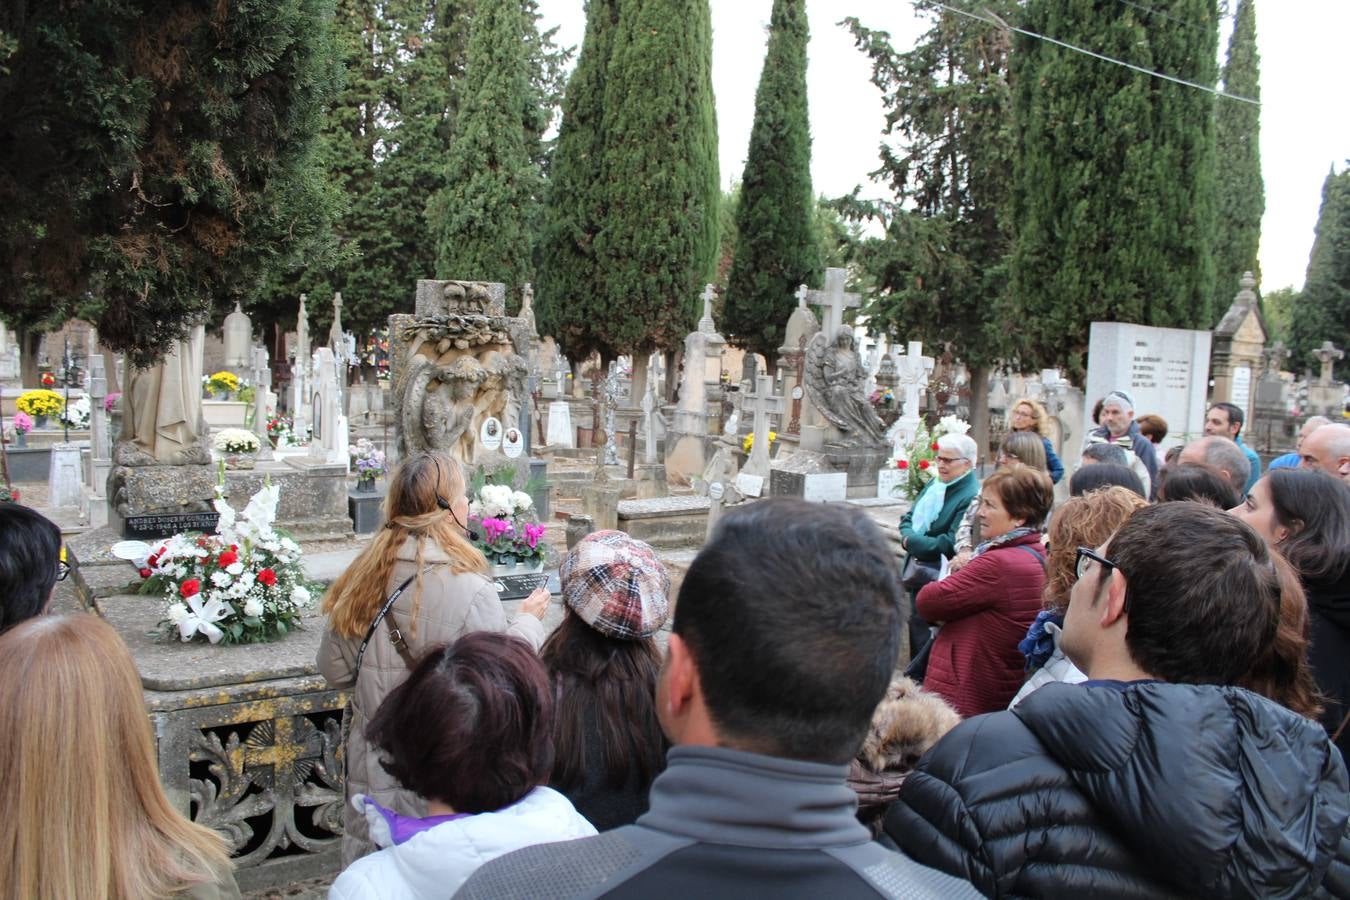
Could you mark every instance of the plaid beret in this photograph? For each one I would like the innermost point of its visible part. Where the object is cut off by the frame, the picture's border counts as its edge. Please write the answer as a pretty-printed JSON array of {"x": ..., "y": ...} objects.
[{"x": 616, "y": 585}]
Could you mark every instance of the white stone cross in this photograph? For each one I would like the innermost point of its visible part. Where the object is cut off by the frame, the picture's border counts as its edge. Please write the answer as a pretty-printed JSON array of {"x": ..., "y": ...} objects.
[
  {"x": 802, "y": 292},
  {"x": 762, "y": 402},
  {"x": 706, "y": 324},
  {"x": 834, "y": 299},
  {"x": 913, "y": 369},
  {"x": 1328, "y": 354}
]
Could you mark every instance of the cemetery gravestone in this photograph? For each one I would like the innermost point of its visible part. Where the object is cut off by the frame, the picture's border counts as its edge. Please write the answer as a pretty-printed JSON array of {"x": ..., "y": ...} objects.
[
  {"x": 1165, "y": 370},
  {"x": 762, "y": 403}
]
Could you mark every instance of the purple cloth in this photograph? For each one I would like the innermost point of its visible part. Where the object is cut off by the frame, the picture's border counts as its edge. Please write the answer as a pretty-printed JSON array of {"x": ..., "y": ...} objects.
[{"x": 401, "y": 827}]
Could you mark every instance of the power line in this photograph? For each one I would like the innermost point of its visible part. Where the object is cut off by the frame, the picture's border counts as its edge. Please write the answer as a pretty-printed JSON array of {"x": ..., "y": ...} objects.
[{"x": 999, "y": 23}]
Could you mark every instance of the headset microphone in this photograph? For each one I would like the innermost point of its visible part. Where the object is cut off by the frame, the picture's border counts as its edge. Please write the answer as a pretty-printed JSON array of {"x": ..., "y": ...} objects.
[{"x": 445, "y": 505}]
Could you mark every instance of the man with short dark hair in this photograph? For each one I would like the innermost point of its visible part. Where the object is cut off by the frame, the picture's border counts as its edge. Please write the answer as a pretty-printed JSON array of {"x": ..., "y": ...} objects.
[
  {"x": 786, "y": 634},
  {"x": 1225, "y": 420},
  {"x": 1155, "y": 777},
  {"x": 1108, "y": 454},
  {"x": 1222, "y": 454}
]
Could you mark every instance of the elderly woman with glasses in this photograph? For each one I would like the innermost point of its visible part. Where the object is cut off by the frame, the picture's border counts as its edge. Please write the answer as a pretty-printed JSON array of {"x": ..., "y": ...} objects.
[{"x": 928, "y": 530}]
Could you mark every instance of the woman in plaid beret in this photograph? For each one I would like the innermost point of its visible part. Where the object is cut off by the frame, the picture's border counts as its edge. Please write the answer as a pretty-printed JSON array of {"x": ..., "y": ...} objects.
[{"x": 603, "y": 660}]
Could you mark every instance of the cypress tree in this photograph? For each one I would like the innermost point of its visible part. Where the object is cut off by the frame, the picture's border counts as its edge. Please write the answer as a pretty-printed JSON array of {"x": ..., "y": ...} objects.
[
  {"x": 570, "y": 296},
  {"x": 1323, "y": 309},
  {"x": 1241, "y": 193},
  {"x": 157, "y": 162},
  {"x": 484, "y": 214},
  {"x": 658, "y": 240},
  {"x": 1114, "y": 178},
  {"x": 778, "y": 248}
]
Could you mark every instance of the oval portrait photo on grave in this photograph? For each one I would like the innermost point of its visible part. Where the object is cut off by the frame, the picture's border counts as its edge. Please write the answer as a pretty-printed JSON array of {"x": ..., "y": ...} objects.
[
  {"x": 514, "y": 445},
  {"x": 490, "y": 435}
]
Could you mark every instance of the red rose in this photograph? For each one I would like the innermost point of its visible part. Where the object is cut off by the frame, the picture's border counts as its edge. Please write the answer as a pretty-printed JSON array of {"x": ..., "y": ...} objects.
[
  {"x": 935, "y": 445},
  {"x": 189, "y": 588},
  {"x": 267, "y": 577},
  {"x": 145, "y": 573},
  {"x": 902, "y": 464},
  {"x": 48, "y": 379},
  {"x": 228, "y": 558},
  {"x": 923, "y": 464}
]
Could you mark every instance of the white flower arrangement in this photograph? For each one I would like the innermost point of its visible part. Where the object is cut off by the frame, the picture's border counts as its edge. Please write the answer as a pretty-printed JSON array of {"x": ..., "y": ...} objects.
[
  {"x": 951, "y": 425},
  {"x": 76, "y": 413},
  {"x": 499, "y": 501},
  {"x": 242, "y": 584},
  {"x": 236, "y": 440}
]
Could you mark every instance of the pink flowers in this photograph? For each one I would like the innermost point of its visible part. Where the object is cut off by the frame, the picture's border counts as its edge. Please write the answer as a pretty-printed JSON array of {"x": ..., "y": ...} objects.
[
  {"x": 533, "y": 533},
  {"x": 495, "y": 528},
  {"x": 23, "y": 423}
]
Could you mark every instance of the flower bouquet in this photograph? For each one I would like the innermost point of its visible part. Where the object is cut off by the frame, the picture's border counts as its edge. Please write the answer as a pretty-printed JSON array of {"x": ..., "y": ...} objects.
[
  {"x": 368, "y": 462},
  {"x": 238, "y": 445},
  {"x": 281, "y": 431},
  {"x": 917, "y": 460},
  {"x": 222, "y": 384},
  {"x": 21, "y": 424},
  {"x": 76, "y": 413},
  {"x": 748, "y": 443},
  {"x": 48, "y": 380},
  {"x": 40, "y": 404},
  {"x": 243, "y": 584},
  {"x": 110, "y": 401},
  {"x": 501, "y": 525}
]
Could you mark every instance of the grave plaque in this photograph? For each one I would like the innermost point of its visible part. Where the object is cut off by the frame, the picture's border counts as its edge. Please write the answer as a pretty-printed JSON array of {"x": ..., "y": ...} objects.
[
  {"x": 517, "y": 587},
  {"x": 1165, "y": 370},
  {"x": 825, "y": 487},
  {"x": 168, "y": 524},
  {"x": 889, "y": 482}
]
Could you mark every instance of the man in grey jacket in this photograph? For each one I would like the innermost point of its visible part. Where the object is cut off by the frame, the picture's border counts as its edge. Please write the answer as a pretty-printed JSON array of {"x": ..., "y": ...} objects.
[{"x": 786, "y": 633}]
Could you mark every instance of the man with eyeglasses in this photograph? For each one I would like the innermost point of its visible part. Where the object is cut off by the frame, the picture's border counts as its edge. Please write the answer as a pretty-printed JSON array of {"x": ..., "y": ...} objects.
[{"x": 1157, "y": 776}]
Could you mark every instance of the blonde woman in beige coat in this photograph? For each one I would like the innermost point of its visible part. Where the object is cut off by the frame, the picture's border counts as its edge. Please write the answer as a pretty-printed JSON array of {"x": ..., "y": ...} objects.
[{"x": 447, "y": 594}]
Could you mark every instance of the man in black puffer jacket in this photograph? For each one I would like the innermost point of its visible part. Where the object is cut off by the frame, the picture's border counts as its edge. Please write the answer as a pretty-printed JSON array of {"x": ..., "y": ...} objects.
[{"x": 1154, "y": 778}]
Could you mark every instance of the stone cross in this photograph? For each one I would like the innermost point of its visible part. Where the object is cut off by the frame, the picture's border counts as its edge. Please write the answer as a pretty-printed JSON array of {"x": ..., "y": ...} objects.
[
  {"x": 262, "y": 383},
  {"x": 761, "y": 403},
  {"x": 802, "y": 293},
  {"x": 336, "y": 342},
  {"x": 611, "y": 401},
  {"x": 912, "y": 371},
  {"x": 1275, "y": 355},
  {"x": 834, "y": 299},
  {"x": 706, "y": 324},
  {"x": 1329, "y": 355}
]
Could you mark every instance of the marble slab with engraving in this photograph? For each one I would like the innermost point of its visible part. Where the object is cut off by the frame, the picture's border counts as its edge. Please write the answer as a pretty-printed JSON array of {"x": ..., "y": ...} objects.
[{"x": 1165, "y": 370}]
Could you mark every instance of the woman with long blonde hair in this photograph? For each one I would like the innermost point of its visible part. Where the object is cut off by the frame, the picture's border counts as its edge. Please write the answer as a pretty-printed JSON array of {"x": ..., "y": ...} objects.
[
  {"x": 82, "y": 812},
  {"x": 1030, "y": 416},
  {"x": 422, "y": 561}
]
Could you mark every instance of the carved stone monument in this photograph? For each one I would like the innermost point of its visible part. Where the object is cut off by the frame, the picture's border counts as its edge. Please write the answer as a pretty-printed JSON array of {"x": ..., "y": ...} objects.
[
  {"x": 912, "y": 371},
  {"x": 457, "y": 361},
  {"x": 1236, "y": 349},
  {"x": 300, "y": 375},
  {"x": 1326, "y": 395},
  {"x": 762, "y": 403},
  {"x": 688, "y": 443},
  {"x": 238, "y": 339}
]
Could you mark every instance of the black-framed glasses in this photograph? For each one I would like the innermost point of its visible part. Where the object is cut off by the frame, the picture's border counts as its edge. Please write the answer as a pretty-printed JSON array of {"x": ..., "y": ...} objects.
[
  {"x": 62, "y": 570},
  {"x": 1087, "y": 553},
  {"x": 951, "y": 459}
]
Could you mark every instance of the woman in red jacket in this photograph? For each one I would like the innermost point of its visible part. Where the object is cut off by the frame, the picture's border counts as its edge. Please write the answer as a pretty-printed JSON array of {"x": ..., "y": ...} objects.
[{"x": 986, "y": 608}]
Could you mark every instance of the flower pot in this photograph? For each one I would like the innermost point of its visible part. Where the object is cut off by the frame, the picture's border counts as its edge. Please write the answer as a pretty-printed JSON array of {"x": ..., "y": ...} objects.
[
  {"x": 240, "y": 460},
  {"x": 365, "y": 486},
  {"x": 39, "y": 421}
]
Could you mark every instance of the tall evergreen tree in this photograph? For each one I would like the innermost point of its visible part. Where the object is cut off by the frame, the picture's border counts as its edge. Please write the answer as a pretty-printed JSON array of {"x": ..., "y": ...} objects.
[
  {"x": 1323, "y": 310},
  {"x": 484, "y": 215},
  {"x": 570, "y": 296},
  {"x": 1241, "y": 192},
  {"x": 1114, "y": 179},
  {"x": 941, "y": 268},
  {"x": 156, "y": 162},
  {"x": 778, "y": 248},
  {"x": 658, "y": 243}
]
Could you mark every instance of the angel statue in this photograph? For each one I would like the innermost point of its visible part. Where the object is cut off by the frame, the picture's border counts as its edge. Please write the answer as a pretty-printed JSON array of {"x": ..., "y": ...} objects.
[{"x": 835, "y": 381}]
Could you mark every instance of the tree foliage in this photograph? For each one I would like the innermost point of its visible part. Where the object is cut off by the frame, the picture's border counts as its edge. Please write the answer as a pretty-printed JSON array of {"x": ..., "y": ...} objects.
[
  {"x": 1114, "y": 178},
  {"x": 156, "y": 162},
  {"x": 632, "y": 220},
  {"x": 484, "y": 215},
  {"x": 940, "y": 269},
  {"x": 1240, "y": 193},
  {"x": 1323, "y": 310},
  {"x": 778, "y": 248}
]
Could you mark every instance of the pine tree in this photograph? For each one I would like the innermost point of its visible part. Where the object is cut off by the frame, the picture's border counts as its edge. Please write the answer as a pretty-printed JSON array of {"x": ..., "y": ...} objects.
[
  {"x": 1241, "y": 193},
  {"x": 658, "y": 241},
  {"x": 1323, "y": 310},
  {"x": 484, "y": 215},
  {"x": 778, "y": 248},
  {"x": 1114, "y": 179},
  {"x": 157, "y": 162},
  {"x": 570, "y": 296}
]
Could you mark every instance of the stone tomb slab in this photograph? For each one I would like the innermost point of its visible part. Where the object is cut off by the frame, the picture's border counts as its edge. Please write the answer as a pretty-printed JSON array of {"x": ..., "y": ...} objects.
[
  {"x": 1165, "y": 370},
  {"x": 666, "y": 522}
]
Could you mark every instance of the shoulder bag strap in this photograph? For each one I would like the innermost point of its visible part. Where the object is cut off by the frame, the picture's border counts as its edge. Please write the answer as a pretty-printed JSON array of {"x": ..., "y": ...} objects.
[
  {"x": 1040, "y": 559},
  {"x": 384, "y": 611}
]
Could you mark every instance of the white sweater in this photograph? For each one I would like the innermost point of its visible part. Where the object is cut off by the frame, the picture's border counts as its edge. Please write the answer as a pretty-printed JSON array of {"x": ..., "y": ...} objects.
[{"x": 434, "y": 863}]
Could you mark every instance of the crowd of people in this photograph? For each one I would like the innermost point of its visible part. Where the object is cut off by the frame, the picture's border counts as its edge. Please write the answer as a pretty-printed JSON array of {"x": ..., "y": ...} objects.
[{"x": 1141, "y": 691}]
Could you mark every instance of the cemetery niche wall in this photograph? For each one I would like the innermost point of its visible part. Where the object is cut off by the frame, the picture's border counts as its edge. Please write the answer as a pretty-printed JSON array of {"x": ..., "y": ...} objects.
[{"x": 459, "y": 374}]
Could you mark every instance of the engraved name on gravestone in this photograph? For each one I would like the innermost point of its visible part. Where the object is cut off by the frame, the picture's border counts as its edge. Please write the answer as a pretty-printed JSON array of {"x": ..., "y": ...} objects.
[
  {"x": 168, "y": 524},
  {"x": 1165, "y": 370}
]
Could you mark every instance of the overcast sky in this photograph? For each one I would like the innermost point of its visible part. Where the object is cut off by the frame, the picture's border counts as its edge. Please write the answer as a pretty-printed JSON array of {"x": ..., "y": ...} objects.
[{"x": 1301, "y": 43}]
